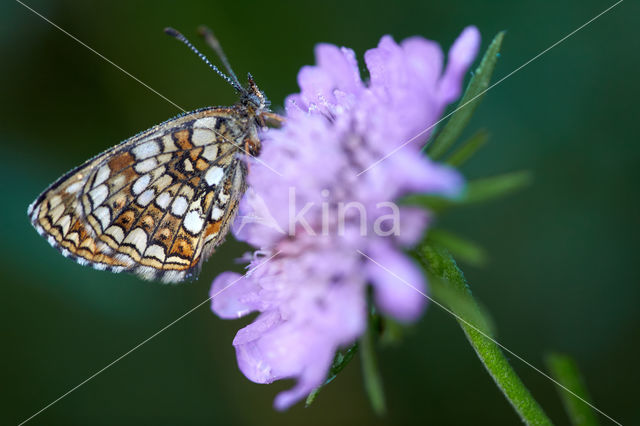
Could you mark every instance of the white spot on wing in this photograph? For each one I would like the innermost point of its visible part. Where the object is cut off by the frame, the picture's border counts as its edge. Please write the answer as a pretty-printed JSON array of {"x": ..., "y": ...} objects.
[
  {"x": 137, "y": 238},
  {"x": 101, "y": 176},
  {"x": 73, "y": 237},
  {"x": 214, "y": 175},
  {"x": 141, "y": 184},
  {"x": 146, "y": 197},
  {"x": 156, "y": 251},
  {"x": 116, "y": 233},
  {"x": 179, "y": 206},
  {"x": 103, "y": 214},
  {"x": 56, "y": 213},
  {"x": 210, "y": 152},
  {"x": 193, "y": 222},
  {"x": 202, "y": 137},
  {"x": 168, "y": 144},
  {"x": 216, "y": 213},
  {"x": 124, "y": 258},
  {"x": 54, "y": 201},
  {"x": 98, "y": 195},
  {"x": 146, "y": 150},
  {"x": 64, "y": 224},
  {"x": 74, "y": 187},
  {"x": 146, "y": 165},
  {"x": 207, "y": 122},
  {"x": 163, "y": 200}
]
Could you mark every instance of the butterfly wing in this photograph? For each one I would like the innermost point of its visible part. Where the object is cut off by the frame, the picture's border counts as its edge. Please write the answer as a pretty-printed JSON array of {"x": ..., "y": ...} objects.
[{"x": 157, "y": 204}]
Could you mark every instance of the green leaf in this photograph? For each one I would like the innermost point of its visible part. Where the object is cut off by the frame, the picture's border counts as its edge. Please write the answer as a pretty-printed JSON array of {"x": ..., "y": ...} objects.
[
  {"x": 468, "y": 148},
  {"x": 371, "y": 373},
  {"x": 477, "y": 191},
  {"x": 439, "y": 263},
  {"x": 460, "y": 248},
  {"x": 472, "y": 96},
  {"x": 434, "y": 203},
  {"x": 486, "y": 189},
  {"x": 340, "y": 361},
  {"x": 565, "y": 370}
]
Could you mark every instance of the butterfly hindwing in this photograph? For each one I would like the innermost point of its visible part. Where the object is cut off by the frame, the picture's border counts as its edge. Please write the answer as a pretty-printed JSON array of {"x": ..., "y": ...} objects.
[{"x": 157, "y": 204}]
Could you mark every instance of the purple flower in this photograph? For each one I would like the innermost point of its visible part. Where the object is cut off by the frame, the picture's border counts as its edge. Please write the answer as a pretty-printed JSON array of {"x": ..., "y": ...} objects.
[{"x": 319, "y": 212}]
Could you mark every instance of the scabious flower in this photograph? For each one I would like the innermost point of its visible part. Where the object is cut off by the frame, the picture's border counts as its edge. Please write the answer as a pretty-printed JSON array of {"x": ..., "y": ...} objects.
[{"x": 320, "y": 198}]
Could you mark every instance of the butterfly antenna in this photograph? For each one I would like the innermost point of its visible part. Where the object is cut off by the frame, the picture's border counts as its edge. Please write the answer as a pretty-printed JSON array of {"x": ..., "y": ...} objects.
[
  {"x": 214, "y": 44},
  {"x": 176, "y": 34}
]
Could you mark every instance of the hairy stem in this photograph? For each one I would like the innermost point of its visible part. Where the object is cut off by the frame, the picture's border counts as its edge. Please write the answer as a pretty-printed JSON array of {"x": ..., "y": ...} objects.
[{"x": 449, "y": 282}]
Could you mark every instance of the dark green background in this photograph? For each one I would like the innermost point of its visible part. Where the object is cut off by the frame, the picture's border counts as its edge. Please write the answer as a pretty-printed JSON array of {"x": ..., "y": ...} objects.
[{"x": 564, "y": 262}]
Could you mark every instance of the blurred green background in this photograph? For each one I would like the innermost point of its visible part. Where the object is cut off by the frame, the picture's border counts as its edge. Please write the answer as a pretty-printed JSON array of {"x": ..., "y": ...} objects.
[{"x": 563, "y": 273}]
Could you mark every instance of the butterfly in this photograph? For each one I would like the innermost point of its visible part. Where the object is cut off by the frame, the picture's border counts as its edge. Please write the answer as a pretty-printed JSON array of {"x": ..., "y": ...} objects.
[{"x": 159, "y": 203}]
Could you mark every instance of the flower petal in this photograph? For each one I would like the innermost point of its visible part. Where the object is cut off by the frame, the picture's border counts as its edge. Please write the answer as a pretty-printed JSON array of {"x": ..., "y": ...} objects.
[
  {"x": 315, "y": 84},
  {"x": 341, "y": 65},
  {"x": 397, "y": 282},
  {"x": 461, "y": 55},
  {"x": 226, "y": 295},
  {"x": 252, "y": 358},
  {"x": 424, "y": 58},
  {"x": 413, "y": 222}
]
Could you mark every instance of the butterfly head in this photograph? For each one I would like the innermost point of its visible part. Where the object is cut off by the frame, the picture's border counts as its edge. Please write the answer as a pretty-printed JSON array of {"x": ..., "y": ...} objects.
[{"x": 254, "y": 99}]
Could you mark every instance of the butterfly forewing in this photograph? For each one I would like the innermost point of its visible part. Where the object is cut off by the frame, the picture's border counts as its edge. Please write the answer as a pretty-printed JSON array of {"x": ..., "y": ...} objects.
[{"x": 157, "y": 204}]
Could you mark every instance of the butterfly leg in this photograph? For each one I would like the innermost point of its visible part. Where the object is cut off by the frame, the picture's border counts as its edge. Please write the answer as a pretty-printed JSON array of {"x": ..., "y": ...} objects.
[{"x": 274, "y": 119}]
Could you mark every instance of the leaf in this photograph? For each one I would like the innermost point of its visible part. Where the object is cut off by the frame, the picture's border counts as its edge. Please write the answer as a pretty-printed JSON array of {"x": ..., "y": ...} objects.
[
  {"x": 340, "y": 361},
  {"x": 479, "y": 190},
  {"x": 460, "y": 248},
  {"x": 434, "y": 203},
  {"x": 565, "y": 370},
  {"x": 496, "y": 186},
  {"x": 468, "y": 148},
  {"x": 472, "y": 96},
  {"x": 370, "y": 371}
]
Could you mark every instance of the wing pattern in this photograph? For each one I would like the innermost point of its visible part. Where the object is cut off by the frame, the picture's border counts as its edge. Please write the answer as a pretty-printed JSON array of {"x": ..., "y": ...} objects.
[{"x": 157, "y": 204}]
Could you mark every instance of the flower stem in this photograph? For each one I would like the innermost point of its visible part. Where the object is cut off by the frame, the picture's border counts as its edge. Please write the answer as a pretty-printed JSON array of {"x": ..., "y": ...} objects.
[
  {"x": 449, "y": 280},
  {"x": 370, "y": 371}
]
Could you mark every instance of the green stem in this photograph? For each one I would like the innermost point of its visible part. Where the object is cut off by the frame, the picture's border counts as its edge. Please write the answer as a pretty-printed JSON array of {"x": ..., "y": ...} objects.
[
  {"x": 370, "y": 371},
  {"x": 439, "y": 263}
]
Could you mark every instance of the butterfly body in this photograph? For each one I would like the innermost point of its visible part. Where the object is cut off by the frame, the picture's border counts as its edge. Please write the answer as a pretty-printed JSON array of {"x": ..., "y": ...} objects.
[{"x": 160, "y": 202}]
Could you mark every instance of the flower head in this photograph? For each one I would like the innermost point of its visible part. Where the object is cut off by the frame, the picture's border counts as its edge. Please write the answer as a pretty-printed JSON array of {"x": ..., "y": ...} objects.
[{"x": 331, "y": 201}]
